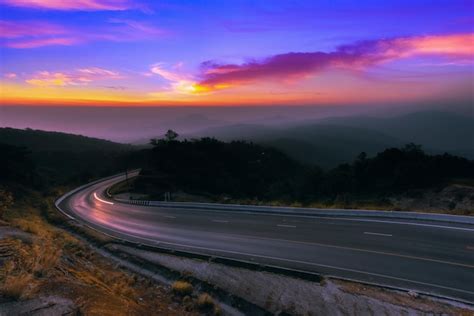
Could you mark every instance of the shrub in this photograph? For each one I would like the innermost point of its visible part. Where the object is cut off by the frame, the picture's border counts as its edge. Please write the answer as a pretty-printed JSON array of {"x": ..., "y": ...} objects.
[
  {"x": 182, "y": 288},
  {"x": 16, "y": 286},
  {"x": 205, "y": 302}
]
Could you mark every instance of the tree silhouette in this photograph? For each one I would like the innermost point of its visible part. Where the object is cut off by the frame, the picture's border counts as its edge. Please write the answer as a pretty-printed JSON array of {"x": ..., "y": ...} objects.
[{"x": 171, "y": 135}]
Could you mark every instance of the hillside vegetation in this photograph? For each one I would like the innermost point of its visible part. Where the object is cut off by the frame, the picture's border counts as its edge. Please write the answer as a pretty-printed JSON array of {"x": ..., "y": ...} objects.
[
  {"x": 40, "y": 141},
  {"x": 47, "y": 270},
  {"x": 245, "y": 171},
  {"x": 331, "y": 141},
  {"x": 45, "y": 159}
]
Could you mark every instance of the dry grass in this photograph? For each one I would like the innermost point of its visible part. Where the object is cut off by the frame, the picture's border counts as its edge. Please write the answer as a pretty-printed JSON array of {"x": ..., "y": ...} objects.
[
  {"x": 27, "y": 264},
  {"x": 205, "y": 301},
  {"x": 182, "y": 288},
  {"x": 17, "y": 286},
  {"x": 206, "y": 304},
  {"x": 56, "y": 263}
]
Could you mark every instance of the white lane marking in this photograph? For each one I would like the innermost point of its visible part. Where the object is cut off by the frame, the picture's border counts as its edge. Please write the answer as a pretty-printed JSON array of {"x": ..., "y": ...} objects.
[
  {"x": 103, "y": 201},
  {"x": 170, "y": 216},
  {"x": 288, "y": 226},
  {"x": 301, "y": 262},
  {"x": 121, "y": 177},
  {"x": 404, "y": 223},
  {"x": 68, "y": 215},
  {"x": 290, "y": 260},
  {"x": 323, "y": 218},
  {"x": 320, "y": 265},
  {"x": 378, "y": 234},
  {"x": 338, "y": 219},
  {"x": 357, "y": 249},
  {"x": 219, "y": 221}
]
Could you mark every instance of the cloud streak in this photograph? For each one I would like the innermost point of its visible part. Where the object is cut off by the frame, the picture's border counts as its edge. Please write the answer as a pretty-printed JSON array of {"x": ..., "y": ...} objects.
[
  {"x": 68, "y": 5},
  {"x": 179, "y": 82},
  {"x": 81, "y": 76},
  {"x": 33, "y": 34},
  {"x": 355, "y": 57}
]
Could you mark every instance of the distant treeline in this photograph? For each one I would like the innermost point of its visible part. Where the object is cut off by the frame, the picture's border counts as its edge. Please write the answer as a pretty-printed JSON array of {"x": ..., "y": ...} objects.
[
  {"x": 246, "y": 170},
  {"x": 206, "y": 166},
  {"x": 23, "y": 169}
]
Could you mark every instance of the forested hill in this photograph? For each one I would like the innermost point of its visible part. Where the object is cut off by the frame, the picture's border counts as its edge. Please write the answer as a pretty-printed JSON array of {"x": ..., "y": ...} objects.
[
  {"x": 43, "y": 159},
  {"x": 37, "y": 140}
]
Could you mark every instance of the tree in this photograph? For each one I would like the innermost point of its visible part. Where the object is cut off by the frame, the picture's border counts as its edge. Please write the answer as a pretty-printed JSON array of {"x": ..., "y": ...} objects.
[{"x": 171, "y": 135}]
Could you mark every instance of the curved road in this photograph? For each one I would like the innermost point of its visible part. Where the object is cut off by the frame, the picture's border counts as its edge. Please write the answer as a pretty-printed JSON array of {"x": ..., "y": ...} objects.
[{"x": 424, "y": 256}]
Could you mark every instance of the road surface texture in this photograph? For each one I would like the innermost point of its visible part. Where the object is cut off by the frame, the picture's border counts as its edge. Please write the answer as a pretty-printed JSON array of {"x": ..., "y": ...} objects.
[{"x": 429, "y": 257}]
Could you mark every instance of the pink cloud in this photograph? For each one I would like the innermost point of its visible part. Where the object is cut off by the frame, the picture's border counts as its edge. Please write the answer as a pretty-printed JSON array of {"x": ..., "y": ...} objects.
[
  {"x": 159, "y": 69},
  {"x": 138, "y": 29},
  {"x": 82, "y": 76},
  {"x": 9, "y": 29},
  {"x": 359, "y": 56},
  {"x": 32, "y": 34},
  {"x": 33, "y": 43},
  {"x": 10, "y": 75},
  {"x": 85, "y": 5}
]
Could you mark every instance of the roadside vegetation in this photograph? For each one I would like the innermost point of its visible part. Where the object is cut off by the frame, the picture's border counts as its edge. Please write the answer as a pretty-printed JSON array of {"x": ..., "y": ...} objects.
[
  {"x": 40, "y": 260},
  {"x": 240, "y": 172}
]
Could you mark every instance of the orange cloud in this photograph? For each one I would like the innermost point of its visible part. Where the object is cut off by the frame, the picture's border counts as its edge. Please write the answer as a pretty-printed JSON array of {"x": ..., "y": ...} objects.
[{"x": 181, "y": 83}]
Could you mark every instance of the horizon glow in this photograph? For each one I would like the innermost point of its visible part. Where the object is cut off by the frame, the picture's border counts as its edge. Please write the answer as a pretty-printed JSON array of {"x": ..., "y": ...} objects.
[{"x": 144, "y": 53}]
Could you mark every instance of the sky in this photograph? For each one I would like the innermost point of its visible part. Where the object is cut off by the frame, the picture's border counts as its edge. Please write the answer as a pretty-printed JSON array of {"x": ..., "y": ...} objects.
[{"x": 219, "y": 53}]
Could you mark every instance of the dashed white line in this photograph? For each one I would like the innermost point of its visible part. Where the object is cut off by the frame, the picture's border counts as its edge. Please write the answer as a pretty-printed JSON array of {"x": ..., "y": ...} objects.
[
  {"x": 219, "y": 221},
  {"x": 103, "y": 201},
  {"x": 288, "y": 226},
  {"x": 378, "y": 234},
  {"x": 156, "y": 242}
]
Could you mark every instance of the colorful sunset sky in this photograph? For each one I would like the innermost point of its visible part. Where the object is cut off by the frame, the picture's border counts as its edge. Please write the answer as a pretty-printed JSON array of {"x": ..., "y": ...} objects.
[{"x": 138, "y": 52}]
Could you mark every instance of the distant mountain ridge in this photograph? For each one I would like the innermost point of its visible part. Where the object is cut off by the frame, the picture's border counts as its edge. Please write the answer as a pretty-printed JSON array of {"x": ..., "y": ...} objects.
[
  {"x": 437, "y": 131},
  {"x": 38, "y": 140},
  {"x": 330, "y": 141}
]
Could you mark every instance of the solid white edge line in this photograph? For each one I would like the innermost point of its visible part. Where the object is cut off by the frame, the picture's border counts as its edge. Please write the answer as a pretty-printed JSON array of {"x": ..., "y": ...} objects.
[
  {"x": 157, "y": 242},
  {"x": 103, "y": 201},
  {"x": 304, "y": 262},
  {"x": 326, "y": 218},
  {"x": 378, "y": 234}
]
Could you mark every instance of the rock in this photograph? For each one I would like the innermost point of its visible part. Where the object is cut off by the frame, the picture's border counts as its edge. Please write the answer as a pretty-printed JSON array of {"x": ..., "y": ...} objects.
[{"x": 413, "y": 294}]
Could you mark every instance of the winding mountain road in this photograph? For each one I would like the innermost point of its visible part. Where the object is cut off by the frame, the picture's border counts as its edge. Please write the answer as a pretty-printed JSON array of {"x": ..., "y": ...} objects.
[{"x": 426, "y": 256}]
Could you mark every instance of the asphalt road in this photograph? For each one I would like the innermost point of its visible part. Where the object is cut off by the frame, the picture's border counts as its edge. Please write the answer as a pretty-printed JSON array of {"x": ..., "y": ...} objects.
[{"x": 423, "y": 256}]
